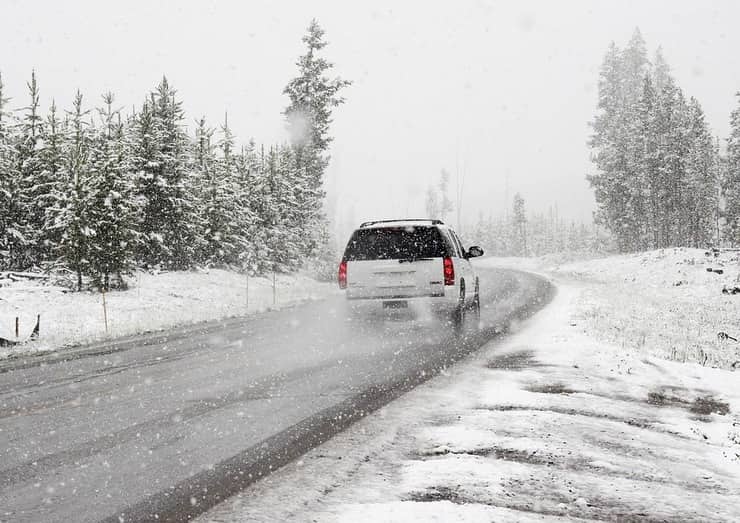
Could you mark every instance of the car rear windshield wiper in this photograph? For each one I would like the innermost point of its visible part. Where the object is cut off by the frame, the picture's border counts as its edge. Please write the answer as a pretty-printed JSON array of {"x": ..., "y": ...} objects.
[{"x": 411, "y": 260}]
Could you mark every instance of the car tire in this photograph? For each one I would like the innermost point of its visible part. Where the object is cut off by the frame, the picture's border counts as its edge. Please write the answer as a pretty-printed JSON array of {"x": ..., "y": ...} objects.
[
  {"x": 475, "y": 307},
  {"x": 459, "y": 312}
]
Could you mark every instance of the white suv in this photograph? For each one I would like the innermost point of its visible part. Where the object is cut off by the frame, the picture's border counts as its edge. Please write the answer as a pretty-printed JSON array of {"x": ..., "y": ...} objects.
[{"x": 400, "y": 261}]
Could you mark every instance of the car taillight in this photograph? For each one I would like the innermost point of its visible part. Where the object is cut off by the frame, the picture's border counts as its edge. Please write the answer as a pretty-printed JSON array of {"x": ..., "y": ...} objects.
[
  {"x": 342, "y": 276},
  {"x": 449, "y": 271}
]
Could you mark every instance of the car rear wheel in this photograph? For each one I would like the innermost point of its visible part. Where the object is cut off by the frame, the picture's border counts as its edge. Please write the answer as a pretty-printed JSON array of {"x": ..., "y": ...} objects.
[
  {"x": 475, "y": 307},
  {"x": 460, "y": 311}
]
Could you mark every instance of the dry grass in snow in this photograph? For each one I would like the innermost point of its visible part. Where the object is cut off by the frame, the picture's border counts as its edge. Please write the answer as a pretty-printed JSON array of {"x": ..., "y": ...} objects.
[{"x": 663, "y": 303}]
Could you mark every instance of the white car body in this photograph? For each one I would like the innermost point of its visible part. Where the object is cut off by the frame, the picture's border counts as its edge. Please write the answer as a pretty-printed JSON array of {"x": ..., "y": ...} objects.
[{"x": 404, "y": 261}]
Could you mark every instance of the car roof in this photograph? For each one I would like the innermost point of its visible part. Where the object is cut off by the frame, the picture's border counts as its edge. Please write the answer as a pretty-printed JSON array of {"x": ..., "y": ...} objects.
[{"x": 401, "y": 223}]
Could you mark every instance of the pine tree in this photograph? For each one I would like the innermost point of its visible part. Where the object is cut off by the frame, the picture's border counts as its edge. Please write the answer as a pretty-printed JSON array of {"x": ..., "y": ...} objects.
[
  {"x": 661, "y": 71},
  {"x": 271, "y": 211},
  {"x": 8, "y": 181},
  {"x": 655, "y": 184},
  {"x": 259, "y": 200},
  {"x": 625, "y": 100},
  {"x": 445, "y": 204},
  {"x": 649, "y": 143},
  {"x": 203, "y": 172},
  {"x": 246, "y": 192},
  {"x": 431, "y": 203},
  {"x": 72, "y": 219},
  {"x": 224, "y": 237},
  {"x": 519, "y": 221},
  {"x": 32, "y": 187},
  {"x": 607, "y": 141},
  {"x": 438, "y": 203},
  {"x": 731, "y": 183},
  {"x": 55, "y": 177},
  {"x": 313, "y": 96},
  {"x": 701, "y": 177},
  {"x": 290, "y": 188},
  {"x": 284, "y": 238},
  {"x": 111, "y": 212},
  {"x": 160, "y": 159},
  {"x": 256, "y": 198},
  {"x": 142, "y": 150},
  {"x": 635, "y": 67},
  {"x": 99, "y": 198},
  {"x": 670, "y": 128}
]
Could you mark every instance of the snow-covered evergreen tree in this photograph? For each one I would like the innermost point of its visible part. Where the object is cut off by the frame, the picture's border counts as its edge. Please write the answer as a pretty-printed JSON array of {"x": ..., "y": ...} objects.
[
  {"x": 648, "y": 140},
  {"x": 9, "y": 211},
  {"x": 256, "y": 203},
  {"x": 55, "y": 177},
  {"x": 519, "y": 220},
  {"x": 701, "y": 180},
  {"x": 111, "y": 212},
  {"x": 72, "y": 219},
  {"x": 280, "y": 240},
  {"x": 654, "y": 184},
  {"x": 224, "y": 238},
  {"x": 32, "y": 187},
  {"x": 201, "y": 187},
  {"x": 160, "y": 160},
  {"x": 731, "y": 182},
  {"x": 313, "y": 96},
  {"x": 609, "y": 184},
  {"x": 438, "y": 203},
  {"x": 290, "y": 193},
  {"x": 661, "y": 71},
  {"x": 100, "y": 199}
]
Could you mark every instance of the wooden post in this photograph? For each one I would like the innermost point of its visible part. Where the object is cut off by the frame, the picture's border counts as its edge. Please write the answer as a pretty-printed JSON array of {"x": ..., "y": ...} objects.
[
  {"x": 105, "y": 312},
  {"x": 36, "y": 329},
  {"x": 16, "y": 326}
]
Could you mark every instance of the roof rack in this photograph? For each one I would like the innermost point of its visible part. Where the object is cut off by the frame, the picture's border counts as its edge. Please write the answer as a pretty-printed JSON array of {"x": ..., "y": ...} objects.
[{"x": 433, "y": 222}]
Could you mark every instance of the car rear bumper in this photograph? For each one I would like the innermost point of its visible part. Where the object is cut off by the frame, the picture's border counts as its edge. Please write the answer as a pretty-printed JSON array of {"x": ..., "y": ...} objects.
[
  {"x": 412, "y": 292},
  {"x": 393, "y": 296},
  {"x": 443, "y": 300}
]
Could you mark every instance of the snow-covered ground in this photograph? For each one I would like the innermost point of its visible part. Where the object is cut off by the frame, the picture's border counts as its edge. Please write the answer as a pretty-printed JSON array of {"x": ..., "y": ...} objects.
[
  {"x": 563, "y": 420},
  {"x": 152, "y": 302},
  {"x": 665, "y": 303}
]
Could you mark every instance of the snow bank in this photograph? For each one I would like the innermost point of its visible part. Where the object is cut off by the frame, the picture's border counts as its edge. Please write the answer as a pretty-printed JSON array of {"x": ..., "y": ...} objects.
[{"x": 153, "y": 301}]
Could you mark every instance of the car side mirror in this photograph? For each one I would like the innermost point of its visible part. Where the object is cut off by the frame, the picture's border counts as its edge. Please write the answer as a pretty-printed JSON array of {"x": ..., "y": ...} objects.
[{"x": 474, "y": 252}]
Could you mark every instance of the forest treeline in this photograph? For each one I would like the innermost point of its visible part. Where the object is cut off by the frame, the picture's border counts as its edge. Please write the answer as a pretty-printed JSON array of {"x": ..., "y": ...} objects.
[
  {"x": 661, "y": 179},
  {"x": 97, "y": 192},
  {"x": 521, "y": 233}
]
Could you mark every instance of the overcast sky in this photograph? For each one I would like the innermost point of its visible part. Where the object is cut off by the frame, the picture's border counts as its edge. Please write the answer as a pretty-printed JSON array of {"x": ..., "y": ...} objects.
[{"x": 495, "y": 89}]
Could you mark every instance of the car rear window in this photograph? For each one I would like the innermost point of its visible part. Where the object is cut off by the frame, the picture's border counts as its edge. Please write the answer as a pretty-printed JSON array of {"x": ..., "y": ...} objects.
[{"x": 394, "y": 243}]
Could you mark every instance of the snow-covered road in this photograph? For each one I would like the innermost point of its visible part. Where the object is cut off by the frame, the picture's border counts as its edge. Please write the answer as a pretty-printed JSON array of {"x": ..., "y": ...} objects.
[
  {"x": 548, "y": 424},
  {"x": 169, "y": 425}
]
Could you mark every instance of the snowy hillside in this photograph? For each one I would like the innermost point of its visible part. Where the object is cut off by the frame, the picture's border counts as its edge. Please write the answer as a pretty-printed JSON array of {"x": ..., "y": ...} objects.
[
  {"x": 665, "y": 303},
  {"x": 154, "y": 301}
]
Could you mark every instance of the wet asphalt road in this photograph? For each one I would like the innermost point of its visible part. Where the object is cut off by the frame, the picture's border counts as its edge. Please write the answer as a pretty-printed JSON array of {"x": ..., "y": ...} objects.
[{"x": 165, "y": 426}]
